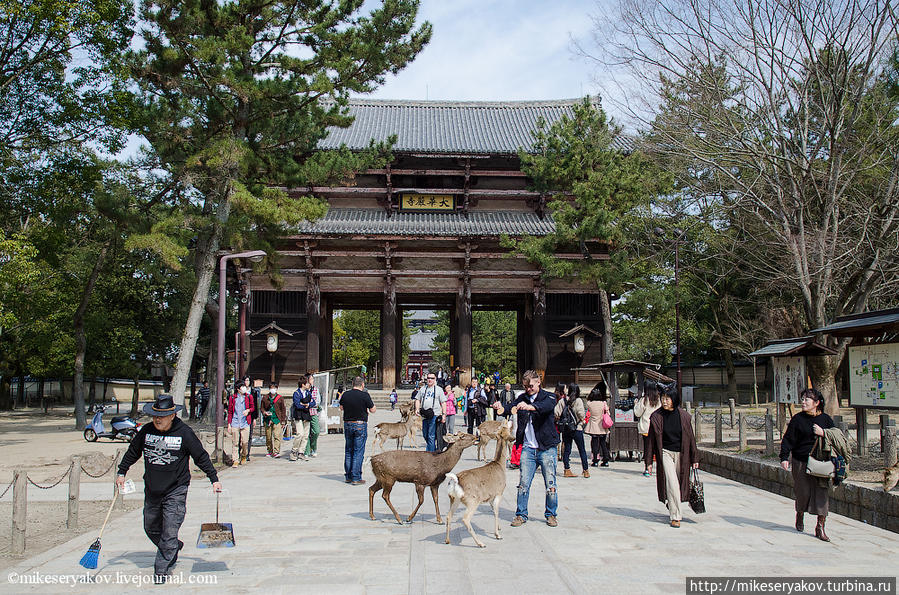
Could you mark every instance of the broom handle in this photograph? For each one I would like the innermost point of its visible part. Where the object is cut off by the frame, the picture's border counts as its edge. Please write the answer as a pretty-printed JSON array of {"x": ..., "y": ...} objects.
[
  {"x": 217, "y": 508},
  {"x": 108, "y": 512}
]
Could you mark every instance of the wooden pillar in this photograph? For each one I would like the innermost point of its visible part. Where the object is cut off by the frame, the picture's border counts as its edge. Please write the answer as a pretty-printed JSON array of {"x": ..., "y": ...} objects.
[
  {"x": 326, "y": 330},
  {"x": 313, "y": 321},
  {"x": 538, "y": 329},
  {"x": 861, "y": 424},
  {"x": 463, "y": 334},
  {"x": 117, "y": 496},
  {"x": 74, "y": 490},
  {"x": 388, "y": 335},
  {"x": 19, "y": 511}
]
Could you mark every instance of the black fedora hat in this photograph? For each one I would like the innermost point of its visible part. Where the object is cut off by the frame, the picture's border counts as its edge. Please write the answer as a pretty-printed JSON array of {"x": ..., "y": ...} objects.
[{"x": 163, "y": 405}]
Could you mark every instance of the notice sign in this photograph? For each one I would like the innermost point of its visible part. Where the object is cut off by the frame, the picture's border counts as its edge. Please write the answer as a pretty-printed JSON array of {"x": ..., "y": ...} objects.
[
  {"x": 427, "y": 202},
  {"x": 874, "y": 375},
  {"x": 789, "y": 378}
]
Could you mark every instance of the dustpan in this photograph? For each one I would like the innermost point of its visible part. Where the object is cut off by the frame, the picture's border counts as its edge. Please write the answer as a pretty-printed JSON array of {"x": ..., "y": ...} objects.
[{"x": 216, "y": 534}]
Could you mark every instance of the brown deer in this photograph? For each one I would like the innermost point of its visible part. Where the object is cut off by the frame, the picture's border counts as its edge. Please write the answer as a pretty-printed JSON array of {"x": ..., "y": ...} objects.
[
  {"x": 487, "y": 431},
  {"x": 481, "y": 484},
  {"x": 421, "y": 468},
  {"x": 890, "y": 477},
  {"x": 385, "y": 431}
]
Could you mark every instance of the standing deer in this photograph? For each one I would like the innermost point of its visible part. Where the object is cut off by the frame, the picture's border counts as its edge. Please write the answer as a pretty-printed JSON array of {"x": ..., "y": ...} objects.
[
  {"x": 385, "y": 431},
  {"x": 421, "y": 468},
  {"x": 487, "y": 431},
  {"x": 481, "y": 484},
  {"x": 890, "y": 477}
]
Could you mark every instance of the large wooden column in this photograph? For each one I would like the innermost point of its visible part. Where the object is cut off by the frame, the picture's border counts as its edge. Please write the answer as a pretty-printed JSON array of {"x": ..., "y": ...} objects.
[
  {"x": 538, "y": 329},
  {"x": 388, "y": 335},
  {"x": 463, "y": 329},
  {"x": 313, "y": 320},
  {"x": 326, "y": 334}
]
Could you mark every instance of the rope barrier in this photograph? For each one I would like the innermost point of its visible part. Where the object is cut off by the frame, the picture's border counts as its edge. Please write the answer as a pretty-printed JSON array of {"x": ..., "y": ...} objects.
[
  {"x": 7, "y": 488},
  {"x": 31, "y": 481},
  {"x": 89, "y": 474}
]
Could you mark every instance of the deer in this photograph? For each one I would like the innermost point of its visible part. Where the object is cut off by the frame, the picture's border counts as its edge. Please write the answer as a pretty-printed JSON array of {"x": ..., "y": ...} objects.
[
  {"x": 890, "y": 477},
  {"x": 384, "y": 431},
  {"x": 421, "y": 468},
  {"x": 487, "y": 431},
  {"x": 481, "y": 484}
]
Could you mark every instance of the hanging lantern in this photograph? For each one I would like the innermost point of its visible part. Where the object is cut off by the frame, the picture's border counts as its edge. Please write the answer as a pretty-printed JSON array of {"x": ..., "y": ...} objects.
[
  {"x": 271, "y": 342},
  {"x": 579, "y": 342}
]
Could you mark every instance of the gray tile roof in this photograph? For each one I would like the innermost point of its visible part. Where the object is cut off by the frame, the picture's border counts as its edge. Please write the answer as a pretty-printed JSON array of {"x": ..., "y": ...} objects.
[
  {"x": 876, "y": 322},
  {"x": 469, "y": 127},
  {"x": 422, "y": 341},
  {"x": 478, "y": 223}
]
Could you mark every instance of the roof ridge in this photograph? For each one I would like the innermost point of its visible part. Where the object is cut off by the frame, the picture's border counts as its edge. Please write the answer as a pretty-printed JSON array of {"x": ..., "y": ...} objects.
[{"x": 432, "y": 103}]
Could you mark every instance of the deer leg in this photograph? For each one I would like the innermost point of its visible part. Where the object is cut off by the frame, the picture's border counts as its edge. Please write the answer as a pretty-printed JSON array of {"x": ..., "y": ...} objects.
[
  {"x": 436, "y": 504},
  {"x": 386, "y": 495},
  {"x": 495, "y": 504},
  {"x": 449, "y": 516},
  {"x": 420, "y": 490},
  {"x": 470, "y": 508},
  {"x": 372, "y": 489}
]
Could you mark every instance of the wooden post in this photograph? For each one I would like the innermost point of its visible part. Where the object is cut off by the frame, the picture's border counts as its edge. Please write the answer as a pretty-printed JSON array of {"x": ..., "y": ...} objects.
[
  {"x": 781, "y": 417},
  {"x": 732, "y": 404},
  {"x": 119, "y": 501},
  {"x": 388, "y": 337},
  {"x": 741, "y": 422},
  {"x": 884, "y": 424},
  {"x": 769, "y": 434},
  {"x": 74, "y": 492},
  {"x": 688, "y": 408},
  {"x": 19, "y": 512},
  {"x": 844, "y": 427},
  {"x": 719, "y": 430},
  {"x": 697, "y": 425},
  {"x": 888, "y": 440},
  {"x": 313, "y": 322},
  {"x": 861, "y": 423},
  {"x": 539, "y": 334},
  {"x": 463, "y": 334}
]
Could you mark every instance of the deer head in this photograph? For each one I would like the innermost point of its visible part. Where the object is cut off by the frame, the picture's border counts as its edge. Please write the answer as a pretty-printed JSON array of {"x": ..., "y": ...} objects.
[{"x": 890, "y": 477}]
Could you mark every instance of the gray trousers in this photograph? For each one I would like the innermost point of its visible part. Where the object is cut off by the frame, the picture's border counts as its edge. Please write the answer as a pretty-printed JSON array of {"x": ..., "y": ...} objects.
[{"x": 163, "y": 515}]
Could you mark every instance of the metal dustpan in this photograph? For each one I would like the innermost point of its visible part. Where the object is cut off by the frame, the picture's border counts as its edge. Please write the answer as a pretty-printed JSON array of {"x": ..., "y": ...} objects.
[{"x": 216, "y": 534}]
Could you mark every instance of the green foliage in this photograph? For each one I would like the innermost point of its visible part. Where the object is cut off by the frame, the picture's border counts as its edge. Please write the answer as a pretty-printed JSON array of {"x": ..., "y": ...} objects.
[
  {"x": 19, "y": 268},
  {"x": 356, "y": 338},
  {"x": 494, "y": 343}
]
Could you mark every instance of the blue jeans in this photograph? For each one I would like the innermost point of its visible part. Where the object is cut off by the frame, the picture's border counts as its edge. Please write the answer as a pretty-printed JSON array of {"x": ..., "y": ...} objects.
[
  {"x": 530, "y": 459},
  {"x": 429, "y": 432},
  {"x": 355, "y": 434}
]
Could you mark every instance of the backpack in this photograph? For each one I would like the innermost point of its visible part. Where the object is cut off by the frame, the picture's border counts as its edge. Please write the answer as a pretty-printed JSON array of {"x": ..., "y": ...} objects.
[{"x": 567, "y": 421}]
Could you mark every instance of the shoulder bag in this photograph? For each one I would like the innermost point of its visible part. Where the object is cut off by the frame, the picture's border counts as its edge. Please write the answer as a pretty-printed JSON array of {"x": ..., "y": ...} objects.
[
  {"x": 816, "y": 466},
  {"x": 607, "y": 421},
  {"x": 697, "y": 493}
]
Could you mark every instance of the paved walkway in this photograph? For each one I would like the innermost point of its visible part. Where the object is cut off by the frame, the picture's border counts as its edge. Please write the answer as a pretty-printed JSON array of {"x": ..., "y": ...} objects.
[{"x": 300, "y": 527}]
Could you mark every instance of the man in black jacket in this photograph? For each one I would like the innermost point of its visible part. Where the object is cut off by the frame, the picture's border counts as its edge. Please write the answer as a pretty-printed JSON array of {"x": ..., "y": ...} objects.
[
  {"x": 537, "y": 432},
  {"x": 166, "y": 444}
]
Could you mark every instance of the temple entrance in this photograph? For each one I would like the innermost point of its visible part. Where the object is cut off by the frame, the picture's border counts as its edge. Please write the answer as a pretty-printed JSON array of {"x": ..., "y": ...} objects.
[{"x": 494, "y": 345}]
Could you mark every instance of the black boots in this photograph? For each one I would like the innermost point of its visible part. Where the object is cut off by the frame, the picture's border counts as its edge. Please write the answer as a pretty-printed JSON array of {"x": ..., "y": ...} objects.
[
  {"x": 800, "y": 521},
  {"x": 819, "y": 529}
]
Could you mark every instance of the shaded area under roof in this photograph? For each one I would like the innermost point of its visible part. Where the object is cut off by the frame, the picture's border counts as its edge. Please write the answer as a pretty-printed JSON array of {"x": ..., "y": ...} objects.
[
  {"x": 344, "y": 221},
  {"x": 793, "y": 346},
  {"x": 464, "y": 127},
  {"x": 866, "y": 324}
]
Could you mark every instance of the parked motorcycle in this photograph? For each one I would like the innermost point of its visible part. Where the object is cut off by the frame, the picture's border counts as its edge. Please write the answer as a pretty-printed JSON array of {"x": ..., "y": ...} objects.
[{"x": 123, "y": 427}]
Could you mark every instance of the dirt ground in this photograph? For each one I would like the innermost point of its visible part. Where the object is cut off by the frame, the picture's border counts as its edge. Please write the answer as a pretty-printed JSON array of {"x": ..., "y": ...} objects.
[{"x": 43, "y": 446}]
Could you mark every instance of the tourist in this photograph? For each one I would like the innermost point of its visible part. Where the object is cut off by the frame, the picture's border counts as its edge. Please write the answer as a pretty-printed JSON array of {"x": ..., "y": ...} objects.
[
  {"x": 356, "y": 404},
  {"x": 537, "y": 433},
  {"x": 450, "y": 410},
  {"x": 671, "y": 440},
  {"x": 274, "y": 415},
  {"x": 256, "y": 395},
  {"x": 393, "y": 399},
  {"x": 459, "y": 395},
  {"x": 597, "y": 405},
  {"x": 476, "y": 405},
  {"x": 204, "y": 400},
  {"x": 492, "y": 396},
  {"x": 430, "y": 405},
  {"x": 302, "y": 397},
  {"x": 165, "y": 445},
  {"x": 312, "y": 443},
  {"x": 643, "y": 410},
  {"x": 240, "y": 411},
  {"x": 571, "y": 400},
  {"x": 812, "y": 493}
]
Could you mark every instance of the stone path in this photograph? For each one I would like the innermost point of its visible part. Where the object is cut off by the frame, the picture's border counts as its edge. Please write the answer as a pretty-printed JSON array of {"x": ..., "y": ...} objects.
[{"x": 299, "y": 527}]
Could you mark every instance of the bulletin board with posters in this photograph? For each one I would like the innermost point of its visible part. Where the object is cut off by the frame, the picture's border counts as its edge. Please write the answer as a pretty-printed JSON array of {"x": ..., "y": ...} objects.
[
  {"x": 790, "y": 378},
  {"x": 874, "y": 376}
]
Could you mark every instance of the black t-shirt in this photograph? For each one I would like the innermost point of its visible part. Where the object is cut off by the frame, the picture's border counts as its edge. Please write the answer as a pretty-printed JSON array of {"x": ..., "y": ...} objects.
[
  {"x": 356, "y": 404},
  {"x": 672, "y": 432},
  {"x": 799, "y": 438}
]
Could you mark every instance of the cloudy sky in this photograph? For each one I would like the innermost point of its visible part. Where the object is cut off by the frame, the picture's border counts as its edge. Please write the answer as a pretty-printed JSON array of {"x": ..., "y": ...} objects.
[{"x": 498, "y": 50}]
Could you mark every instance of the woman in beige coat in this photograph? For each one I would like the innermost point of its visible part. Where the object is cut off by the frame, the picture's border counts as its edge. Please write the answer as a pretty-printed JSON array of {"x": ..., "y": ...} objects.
[
  {"x": 598, "y": 405},
  {"x": 643, "y": 410}
]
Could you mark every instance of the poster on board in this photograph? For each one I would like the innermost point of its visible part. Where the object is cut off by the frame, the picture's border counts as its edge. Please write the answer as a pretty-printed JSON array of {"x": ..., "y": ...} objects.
[
  {"x": 874, "y": 375},
  {"x": 789, "y": 378}
]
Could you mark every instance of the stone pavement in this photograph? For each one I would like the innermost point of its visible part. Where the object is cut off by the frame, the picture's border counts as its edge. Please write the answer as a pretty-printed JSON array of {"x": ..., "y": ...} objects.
[{"x": 299, "y": 527}]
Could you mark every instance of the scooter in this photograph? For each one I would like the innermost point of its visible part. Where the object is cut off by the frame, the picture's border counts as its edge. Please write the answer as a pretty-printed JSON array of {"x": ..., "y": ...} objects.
[{"x": 123, "y": 427}]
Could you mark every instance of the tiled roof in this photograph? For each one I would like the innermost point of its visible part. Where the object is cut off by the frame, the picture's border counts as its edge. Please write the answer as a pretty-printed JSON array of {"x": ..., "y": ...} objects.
[
  {"x": 467, "y": 127},
  {"x": 422, "y": 341},
  {"x": 478, "y": 223},
  {"x": 874, "y": 322}
]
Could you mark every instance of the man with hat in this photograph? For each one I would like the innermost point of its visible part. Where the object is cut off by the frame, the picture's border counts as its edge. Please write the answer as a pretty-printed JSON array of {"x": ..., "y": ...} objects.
[{"x": 166, "y": 444}]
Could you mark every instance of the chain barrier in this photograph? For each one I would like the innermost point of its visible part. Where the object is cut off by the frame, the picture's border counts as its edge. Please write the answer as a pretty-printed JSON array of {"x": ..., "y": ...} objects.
[
  {"x": 56, "y": 483},
  {"x": 7, "y": 487},
  {"x": 89, "y": 474}
]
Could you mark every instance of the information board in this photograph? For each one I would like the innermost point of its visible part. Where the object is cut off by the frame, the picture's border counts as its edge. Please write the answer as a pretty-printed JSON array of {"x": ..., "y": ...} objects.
[
  {"x": 789, "y": 378},
  {"x": 874, "y": 375}
]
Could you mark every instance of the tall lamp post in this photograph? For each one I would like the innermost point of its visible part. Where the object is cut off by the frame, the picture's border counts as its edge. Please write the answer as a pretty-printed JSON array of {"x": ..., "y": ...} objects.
[
  {"x": 678, "y": 236},
  {"x": 253, "y": 256}
]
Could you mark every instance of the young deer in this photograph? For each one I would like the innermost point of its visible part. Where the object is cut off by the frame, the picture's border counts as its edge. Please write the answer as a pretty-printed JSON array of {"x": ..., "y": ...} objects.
[
  {"x": 487, "y": 431},
  {"x": 421, "y": 468},
  {"x": 481, "y": 484},
  {"x": 385, "y": 431},
  {"x": 890, "y": 477}
]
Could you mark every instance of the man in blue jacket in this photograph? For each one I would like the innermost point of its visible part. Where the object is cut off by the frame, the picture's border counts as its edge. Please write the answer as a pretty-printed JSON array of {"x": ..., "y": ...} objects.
[{"x": 537, "y": 433}]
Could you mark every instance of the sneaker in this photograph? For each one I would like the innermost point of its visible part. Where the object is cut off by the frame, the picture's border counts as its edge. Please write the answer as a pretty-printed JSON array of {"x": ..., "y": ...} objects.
[
  {"x": 568, "y": 473},
  {"x": 675, "y": 524},
  {"x": 551, "y": 521},
  {"x": 586, "y": 473},
  {"x": 519, "y": 521},
  {"x": 347, "y": 481},
  {"x": 594, "y": 463},
  {"x": 315, "y": 454},
  {"x": 515, "y": 466},
  {"x": 242, "y": 461},
  {"x": 359, "y": 482},
  {"x": 277, "y": 456},
  {"x": 647, "y": 473},
  {"x": 604, "y": 464}
]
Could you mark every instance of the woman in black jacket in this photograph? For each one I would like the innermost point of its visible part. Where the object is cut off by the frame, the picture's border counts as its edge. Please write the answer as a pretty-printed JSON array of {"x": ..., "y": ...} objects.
[{"x": 795, "y": 447}]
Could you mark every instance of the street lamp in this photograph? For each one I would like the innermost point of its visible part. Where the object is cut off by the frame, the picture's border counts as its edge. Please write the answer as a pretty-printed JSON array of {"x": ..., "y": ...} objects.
[
  {"x": 678, "y": 236},
  {"x": 252, "y": 256}
]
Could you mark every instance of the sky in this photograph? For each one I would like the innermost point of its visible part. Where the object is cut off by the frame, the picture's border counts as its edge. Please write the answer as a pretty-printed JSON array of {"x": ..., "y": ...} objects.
[{"x": 498, "y": 50}]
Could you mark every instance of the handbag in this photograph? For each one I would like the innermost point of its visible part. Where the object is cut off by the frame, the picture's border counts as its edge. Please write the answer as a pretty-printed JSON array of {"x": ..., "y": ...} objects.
[
  {"x": 697, "y": 494},
  {"x": 816, "y": 466},
  {"x": 607, "y": 422}
]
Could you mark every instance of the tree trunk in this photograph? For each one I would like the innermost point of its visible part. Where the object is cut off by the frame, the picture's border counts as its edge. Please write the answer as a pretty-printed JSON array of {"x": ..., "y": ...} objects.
[
  {"x": 92, "y": 392},
  {"x": 81, "y": 339},
  {"x": 731, "y": 373},
  {"x": 605, "y": 310},
  {"x": 207, "y": 258},
  {"x": 135, "y": 395},
  {"x": 20, "y": 390},
  {"x": 822, "y": 370},
  {"x": 211, "y": 368}
]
